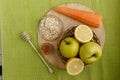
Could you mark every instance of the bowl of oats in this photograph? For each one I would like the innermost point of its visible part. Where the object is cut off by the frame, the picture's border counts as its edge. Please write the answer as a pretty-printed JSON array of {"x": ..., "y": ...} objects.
[{"x": 50, "y": 27}]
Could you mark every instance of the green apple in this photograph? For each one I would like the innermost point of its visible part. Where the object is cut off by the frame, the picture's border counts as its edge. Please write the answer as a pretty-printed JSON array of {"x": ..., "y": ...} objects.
[
  {"x": 69, "y": 47},
  {"x": 90, "y": 52}
]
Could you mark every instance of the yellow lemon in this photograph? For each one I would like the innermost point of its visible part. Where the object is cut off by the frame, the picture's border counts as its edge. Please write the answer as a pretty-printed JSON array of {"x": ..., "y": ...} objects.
[
  {"x": 83, "y": 33},
  {"x": 74, "y": 66}
]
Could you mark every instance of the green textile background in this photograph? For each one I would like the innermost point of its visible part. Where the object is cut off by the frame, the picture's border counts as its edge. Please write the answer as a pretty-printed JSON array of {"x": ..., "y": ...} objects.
[{"x": 19, "y": 60}]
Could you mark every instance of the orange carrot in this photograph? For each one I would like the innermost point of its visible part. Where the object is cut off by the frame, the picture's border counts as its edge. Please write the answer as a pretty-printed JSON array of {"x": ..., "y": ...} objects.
[{"x": 89, "y": 18}]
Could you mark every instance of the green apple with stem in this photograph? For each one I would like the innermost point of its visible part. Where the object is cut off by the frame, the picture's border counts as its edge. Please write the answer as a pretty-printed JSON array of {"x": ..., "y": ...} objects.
[
  {"x": 69, "y": 47},
  {"x": 90, "y": 52}
]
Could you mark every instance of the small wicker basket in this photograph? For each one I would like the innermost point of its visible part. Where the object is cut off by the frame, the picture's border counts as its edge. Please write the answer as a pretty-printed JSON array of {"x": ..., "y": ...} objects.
[{"x": 70, "y": 33}]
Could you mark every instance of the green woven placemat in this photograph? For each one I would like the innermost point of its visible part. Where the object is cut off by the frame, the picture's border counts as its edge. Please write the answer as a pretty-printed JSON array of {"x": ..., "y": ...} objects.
[{"x": 20, "y": 61}]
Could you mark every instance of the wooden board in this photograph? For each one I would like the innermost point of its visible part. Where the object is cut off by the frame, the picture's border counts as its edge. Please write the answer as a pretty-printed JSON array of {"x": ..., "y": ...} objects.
[{"x": 54, "y": 58}]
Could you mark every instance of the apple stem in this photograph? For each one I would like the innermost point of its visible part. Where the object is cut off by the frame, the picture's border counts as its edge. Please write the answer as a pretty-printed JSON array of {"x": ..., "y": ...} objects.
[
  {"x": 67, "y": 42},
  {"x": 94, "y": 55}
]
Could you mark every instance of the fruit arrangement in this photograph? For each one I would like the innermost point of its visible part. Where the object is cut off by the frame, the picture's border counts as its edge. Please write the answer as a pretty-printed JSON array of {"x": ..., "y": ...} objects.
[
  {"x": 78, "y": 49},
  {"x": 71, "y": 38}
]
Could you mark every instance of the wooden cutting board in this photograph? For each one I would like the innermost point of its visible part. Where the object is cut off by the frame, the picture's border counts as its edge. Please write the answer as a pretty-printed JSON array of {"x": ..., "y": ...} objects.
[{"x": 54, "y": 58}]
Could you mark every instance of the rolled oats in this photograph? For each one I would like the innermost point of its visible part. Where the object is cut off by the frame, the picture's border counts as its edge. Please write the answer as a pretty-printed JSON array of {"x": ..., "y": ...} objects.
[{"x": 50, "y": 27}]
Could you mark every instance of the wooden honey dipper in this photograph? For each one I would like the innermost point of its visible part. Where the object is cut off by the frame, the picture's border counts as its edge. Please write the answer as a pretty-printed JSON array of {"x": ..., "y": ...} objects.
[{"x": 26, "y": 37}]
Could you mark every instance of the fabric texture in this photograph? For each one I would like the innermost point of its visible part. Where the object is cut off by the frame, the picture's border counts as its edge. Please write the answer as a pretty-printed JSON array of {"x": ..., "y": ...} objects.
[{"x": 19, "y": 60}]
